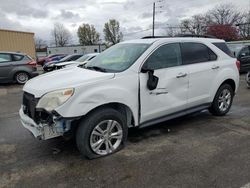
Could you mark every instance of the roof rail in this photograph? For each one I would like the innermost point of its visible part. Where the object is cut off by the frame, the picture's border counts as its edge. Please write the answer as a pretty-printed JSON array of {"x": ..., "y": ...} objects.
[
  {"x": 181, "y": 35},
  {"x": 194, "y": 35},
  {"x": 152, "y": 37}
]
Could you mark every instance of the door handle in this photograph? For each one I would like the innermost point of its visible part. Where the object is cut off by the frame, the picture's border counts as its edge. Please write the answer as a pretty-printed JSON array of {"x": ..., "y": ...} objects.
[
  {"x": 215, "y": 67},
  {"x": 158, "y": 92},
  {"x": 181, "y": 75}
]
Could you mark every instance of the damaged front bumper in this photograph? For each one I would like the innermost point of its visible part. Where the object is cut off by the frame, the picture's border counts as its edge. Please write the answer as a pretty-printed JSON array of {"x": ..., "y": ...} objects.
[{"x": 42, "y": 130}]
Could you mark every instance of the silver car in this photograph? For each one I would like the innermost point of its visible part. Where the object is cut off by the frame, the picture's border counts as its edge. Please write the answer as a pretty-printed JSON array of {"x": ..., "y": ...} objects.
[{"x": 16, "y": 67}]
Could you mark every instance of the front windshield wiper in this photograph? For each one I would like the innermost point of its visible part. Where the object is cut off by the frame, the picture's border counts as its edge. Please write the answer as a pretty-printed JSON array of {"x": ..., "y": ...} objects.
[{"x": 95, "y": 68}]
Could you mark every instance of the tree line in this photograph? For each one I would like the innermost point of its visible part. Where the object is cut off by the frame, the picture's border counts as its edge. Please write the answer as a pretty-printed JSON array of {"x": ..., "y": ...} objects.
[
  {"x": 87, "y": 34},
  {"x": 224, "y": 21}
]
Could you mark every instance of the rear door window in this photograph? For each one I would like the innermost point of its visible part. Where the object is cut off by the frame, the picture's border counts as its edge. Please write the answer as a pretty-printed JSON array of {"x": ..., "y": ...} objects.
[
  {"x": 5, "y": 58},
  {"x": 222, "y": 46},
  {"x": 17, "y": 57},
  {"x": 196, "y": 53}
]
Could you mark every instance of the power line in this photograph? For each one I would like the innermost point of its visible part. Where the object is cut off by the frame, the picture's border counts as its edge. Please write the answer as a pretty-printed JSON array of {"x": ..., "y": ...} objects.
[{"x": 140, "y": 31}]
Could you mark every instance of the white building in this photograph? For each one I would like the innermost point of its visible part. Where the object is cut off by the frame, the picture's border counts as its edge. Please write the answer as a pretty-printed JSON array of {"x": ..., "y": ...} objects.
[{"x": 76, "y": 49}]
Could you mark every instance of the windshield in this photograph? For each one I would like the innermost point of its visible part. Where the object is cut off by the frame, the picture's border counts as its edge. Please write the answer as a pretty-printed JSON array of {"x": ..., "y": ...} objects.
[
  {"x": 83, "y": 58},
  {"x": 117, "y": 58}
]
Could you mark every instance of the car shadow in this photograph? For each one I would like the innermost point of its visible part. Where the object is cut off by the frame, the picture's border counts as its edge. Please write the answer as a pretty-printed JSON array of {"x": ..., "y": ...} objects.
[{"x": 135, "y": 135}]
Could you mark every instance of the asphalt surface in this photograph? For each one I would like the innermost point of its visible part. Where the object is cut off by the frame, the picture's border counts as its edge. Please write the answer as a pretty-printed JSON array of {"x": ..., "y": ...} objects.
[{"x": 195, "y": 151}]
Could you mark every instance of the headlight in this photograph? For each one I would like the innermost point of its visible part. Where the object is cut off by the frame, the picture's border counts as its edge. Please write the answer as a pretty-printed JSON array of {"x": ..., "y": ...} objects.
[{"x": 53, "y": 99}]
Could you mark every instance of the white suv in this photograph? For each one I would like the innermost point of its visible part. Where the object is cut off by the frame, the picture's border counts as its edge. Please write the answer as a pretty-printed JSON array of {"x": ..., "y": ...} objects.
[{"x": 132, "y": 84}]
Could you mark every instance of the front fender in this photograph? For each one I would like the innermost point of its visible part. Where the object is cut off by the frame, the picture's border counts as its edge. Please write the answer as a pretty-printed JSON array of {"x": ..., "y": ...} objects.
[{"x": 122, "y": 90}]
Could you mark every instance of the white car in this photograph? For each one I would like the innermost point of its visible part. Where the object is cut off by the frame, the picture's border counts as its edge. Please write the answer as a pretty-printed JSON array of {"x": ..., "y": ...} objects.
[
  {"x": 82, "y": 60},
  {"x": 135, "y": 83}
]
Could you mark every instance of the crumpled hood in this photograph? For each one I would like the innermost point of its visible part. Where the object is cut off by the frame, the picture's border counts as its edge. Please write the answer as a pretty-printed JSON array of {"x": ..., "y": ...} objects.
[{"x": 64, "y": 78}]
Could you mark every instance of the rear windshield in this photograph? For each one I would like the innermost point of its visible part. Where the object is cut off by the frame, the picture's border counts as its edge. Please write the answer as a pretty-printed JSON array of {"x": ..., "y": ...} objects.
[{"x": 222, "y": 46}]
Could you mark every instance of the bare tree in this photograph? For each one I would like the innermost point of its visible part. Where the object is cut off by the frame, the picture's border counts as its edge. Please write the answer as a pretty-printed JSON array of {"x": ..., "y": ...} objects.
[
  {"x": 244, "y": 27},
  {"x": 225, "y": 14},
  {"x": 60, "y": 35},
  {"x": 112, "y": 32},
  {"x": 222, "y": 15},
  {"x": 172, "y": 31},
  {"x": 88, "y": 35},
  {"x": 195, "y": 25},
  {"x": 40, "y": 43}
]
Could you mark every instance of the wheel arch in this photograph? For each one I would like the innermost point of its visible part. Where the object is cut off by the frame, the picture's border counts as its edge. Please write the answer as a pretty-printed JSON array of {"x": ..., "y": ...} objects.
[
  {"x": 18, "y": 71},
  {"x": 122, "y": 108},
  {"x": 230, "y": 82}
]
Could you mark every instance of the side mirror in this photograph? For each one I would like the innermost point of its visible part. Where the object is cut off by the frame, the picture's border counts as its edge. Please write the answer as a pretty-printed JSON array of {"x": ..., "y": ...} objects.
[{"x": 152, "y": 79}]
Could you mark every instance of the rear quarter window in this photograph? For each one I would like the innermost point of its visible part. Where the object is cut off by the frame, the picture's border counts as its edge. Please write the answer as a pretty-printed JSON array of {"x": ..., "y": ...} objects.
[
  {"x": 196, "y": 53},
  {"x": 223, "y": 46}
]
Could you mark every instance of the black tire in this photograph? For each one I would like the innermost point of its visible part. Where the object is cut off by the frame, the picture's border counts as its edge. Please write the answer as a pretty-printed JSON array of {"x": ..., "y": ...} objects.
[
  {"x": 215, "y": 107},
  {"x": 248, "y": 79},
  {"x": 21, "y": 77},
  {"x": 89, "y": 123}
]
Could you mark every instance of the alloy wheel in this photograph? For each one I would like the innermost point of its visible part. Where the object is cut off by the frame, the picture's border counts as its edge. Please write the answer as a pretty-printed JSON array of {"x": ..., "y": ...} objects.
[
  {"x": 225, "y": 99},
  {"x": 106, "y": 137}
]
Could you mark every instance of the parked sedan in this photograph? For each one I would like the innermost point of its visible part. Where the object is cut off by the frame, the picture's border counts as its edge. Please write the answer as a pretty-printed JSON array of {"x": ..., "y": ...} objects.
[
  {"x": 42, "y": 60},
  {"x": 51, "y": 65},
  {"x": 81, "y": 60},
  {"x": 16, "y": 67}
]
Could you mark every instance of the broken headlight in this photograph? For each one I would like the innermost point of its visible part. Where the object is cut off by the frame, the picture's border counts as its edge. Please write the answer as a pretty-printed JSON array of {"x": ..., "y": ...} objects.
[{"x": 54, "y": 99}]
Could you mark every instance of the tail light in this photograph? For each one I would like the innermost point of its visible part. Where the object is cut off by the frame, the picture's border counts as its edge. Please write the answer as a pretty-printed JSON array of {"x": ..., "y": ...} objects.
[
  {"x": 238, "y": 65},
  {"x": 32, "y": 63}
]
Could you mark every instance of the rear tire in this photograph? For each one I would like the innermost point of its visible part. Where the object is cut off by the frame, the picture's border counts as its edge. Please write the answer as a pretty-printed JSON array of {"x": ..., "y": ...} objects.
[
  {"x": 21, "y": 77},
  {"x": 101, "y": 133},
  {"x": 222, "y": 101}
]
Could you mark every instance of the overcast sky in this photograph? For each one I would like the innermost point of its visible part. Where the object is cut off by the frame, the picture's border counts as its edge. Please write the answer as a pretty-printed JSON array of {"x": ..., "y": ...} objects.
[{"x": 133, "y": 15}]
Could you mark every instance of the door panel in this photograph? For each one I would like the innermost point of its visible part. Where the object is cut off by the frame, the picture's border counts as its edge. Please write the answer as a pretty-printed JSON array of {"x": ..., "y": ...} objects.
[
  {"x": 202, "y": 70},
  {"x": 201, "y": 78},
  {"x": 5, "y": 66},
  {"x": 170, "y": 95}
]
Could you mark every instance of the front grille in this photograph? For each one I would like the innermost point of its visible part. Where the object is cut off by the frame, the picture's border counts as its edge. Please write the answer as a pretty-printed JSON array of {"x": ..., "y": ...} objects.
[{"x": 29, "y": 105}]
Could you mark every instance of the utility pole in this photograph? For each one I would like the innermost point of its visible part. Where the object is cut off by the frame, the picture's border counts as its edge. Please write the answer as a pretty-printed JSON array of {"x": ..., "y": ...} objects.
[{"x": 153, "y": 30}]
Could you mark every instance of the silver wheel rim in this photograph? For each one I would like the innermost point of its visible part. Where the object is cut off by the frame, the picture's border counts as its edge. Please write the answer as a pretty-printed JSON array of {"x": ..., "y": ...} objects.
[
  {"x": 22, "y": 78},
  {"x": 106, "y": 137},
  {"x": 224, "y": 100}
]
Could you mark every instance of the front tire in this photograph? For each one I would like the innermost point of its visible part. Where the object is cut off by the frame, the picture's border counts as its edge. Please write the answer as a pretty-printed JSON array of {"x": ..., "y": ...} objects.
[
  {"x": 101, "y": 133},
  {"x": 222, "y": 101}
]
